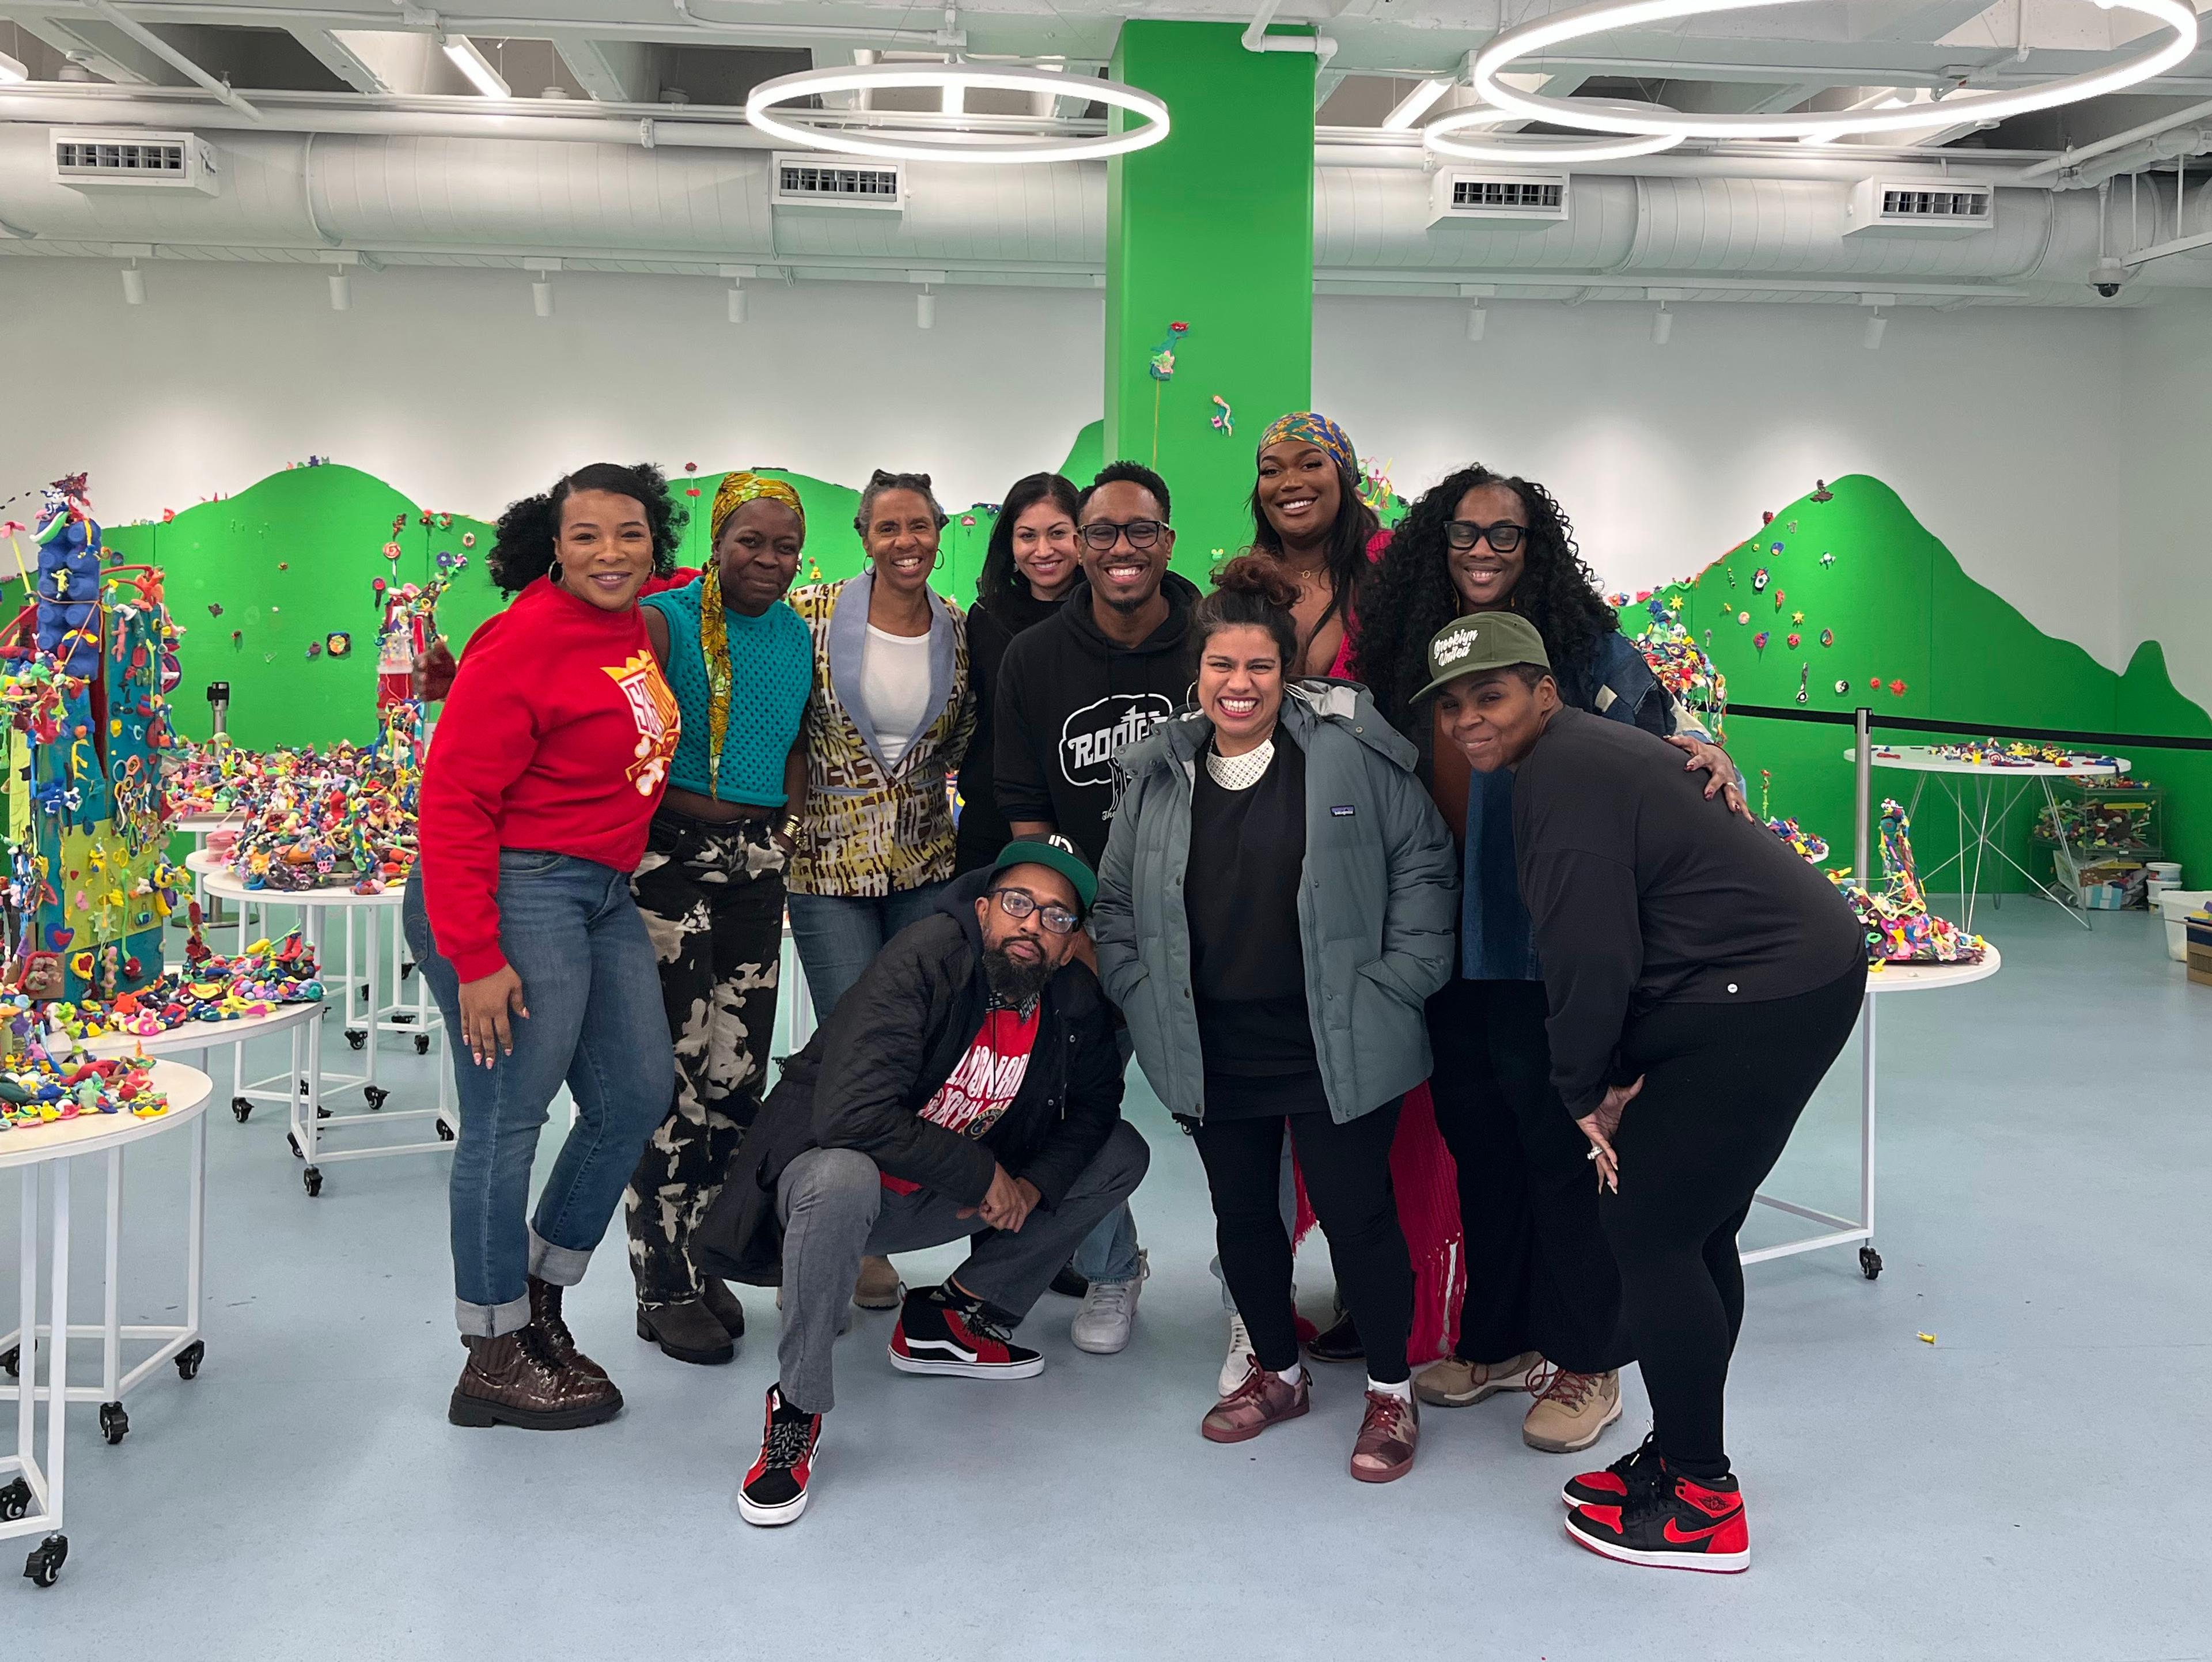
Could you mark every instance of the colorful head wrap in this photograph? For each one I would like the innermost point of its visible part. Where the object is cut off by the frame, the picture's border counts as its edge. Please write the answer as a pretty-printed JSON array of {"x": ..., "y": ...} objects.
[
  {"x": 737, "y": 490},
  {"x": 1315, "y": 428}
]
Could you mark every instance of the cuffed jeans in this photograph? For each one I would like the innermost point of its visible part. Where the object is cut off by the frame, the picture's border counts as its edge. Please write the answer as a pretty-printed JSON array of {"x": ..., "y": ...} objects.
[
  {"x": 839, "y": 935},
  {"x": 571, "y": 932},
  {"x": 836, "y": 1209}
]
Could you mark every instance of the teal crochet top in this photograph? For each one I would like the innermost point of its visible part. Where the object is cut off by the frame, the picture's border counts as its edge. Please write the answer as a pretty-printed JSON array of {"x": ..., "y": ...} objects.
[{"x": 771, "y": 671}]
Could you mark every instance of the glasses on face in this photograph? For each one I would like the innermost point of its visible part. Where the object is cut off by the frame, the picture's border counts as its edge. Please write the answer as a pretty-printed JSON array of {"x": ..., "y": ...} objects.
[
  {"x": 1101, "y": 535},
  {"x": 1504, "y": 536},
  {"x": 1018, "y": 904}
]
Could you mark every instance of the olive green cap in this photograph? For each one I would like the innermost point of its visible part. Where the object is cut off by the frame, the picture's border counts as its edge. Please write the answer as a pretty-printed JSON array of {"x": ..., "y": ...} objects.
[{"x": 1487, "y": 641}]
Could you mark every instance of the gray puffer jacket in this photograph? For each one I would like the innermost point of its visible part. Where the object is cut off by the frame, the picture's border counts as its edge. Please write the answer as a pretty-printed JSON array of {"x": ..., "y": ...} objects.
[{"x": 1377, "y": 905}]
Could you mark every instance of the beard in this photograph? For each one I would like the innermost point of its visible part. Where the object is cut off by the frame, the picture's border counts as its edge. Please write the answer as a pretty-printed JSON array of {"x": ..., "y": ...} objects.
[{"x": 1015, "y": 981}]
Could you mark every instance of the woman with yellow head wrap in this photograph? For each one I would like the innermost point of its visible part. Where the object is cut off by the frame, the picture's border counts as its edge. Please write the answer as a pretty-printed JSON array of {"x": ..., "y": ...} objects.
[{"x": 741, "y": 664}]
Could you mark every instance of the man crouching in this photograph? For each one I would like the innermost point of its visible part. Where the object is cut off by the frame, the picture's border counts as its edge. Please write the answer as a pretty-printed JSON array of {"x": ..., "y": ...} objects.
[{"x": 967, "y": 1086}]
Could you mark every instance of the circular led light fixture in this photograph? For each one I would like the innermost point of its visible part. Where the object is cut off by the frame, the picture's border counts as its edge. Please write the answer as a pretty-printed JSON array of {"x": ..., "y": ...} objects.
[
  {"x": 1549, "y": 33},
  {"x": 762, "y": 109},
  {"x": 1549, "y": 151}
]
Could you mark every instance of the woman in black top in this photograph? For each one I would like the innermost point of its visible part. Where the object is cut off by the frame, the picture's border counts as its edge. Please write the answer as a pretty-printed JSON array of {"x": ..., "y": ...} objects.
[
  {"x": 1028, "y": 570},
  {"x": 1701, "y": 978}
]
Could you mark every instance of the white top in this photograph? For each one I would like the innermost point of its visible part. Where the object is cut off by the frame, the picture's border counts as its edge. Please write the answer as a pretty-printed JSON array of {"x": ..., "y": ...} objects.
[
  {"x": 894, "y": 689},
  {"x": 1240, "y": 772},
  {"x": 187, "y": 1088},
  {"x": 1922, "y": 758}
]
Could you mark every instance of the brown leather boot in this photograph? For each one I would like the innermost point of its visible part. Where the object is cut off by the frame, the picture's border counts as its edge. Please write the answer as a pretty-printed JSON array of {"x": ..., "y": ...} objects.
[
  {"x": 512, "y": 1380},
  {"x": 545, "y": 1313},
  {"x": 722, "y": 1305}
]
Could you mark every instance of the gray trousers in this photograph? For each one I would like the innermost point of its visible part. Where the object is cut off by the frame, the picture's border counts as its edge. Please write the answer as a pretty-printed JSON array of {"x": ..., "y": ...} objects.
[{"x": 836, "y": 1209}]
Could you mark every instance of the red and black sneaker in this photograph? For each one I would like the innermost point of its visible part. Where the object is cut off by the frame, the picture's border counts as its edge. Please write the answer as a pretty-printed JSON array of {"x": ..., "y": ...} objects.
[
  {"x": 1609, "y": 1488},
  {"x": 940, "y": 1332},
  {"x": 775, "y": 1489},
  {"x": 1676, "y": 1523}
]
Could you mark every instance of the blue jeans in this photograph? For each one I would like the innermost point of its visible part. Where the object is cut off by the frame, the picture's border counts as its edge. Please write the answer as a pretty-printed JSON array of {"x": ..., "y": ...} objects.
[
  {"x": 1108, "y": 1252},
  {"x": 839, "y": 935},
  {"x": 571, "y": 932}
]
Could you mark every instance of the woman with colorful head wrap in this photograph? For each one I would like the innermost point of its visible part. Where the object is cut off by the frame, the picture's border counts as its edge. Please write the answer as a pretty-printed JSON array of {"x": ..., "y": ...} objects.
[
  {"x": 1308, "y": 512},
  {"x": 741, "y": 664}
]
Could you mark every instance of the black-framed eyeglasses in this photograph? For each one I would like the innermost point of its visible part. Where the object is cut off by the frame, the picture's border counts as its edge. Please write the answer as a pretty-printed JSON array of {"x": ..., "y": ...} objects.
[
  {"x": 1504, "y": 536},
  {"x": 1101, "y": 535},
  {"x": 1018, "y": 904}
]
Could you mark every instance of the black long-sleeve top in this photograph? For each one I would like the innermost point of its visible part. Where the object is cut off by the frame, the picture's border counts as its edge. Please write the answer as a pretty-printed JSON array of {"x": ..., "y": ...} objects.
[{"x": 1642, "y": 892}]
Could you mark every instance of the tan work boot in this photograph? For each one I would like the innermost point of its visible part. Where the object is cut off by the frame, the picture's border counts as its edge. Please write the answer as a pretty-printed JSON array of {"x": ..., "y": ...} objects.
[
  {"x": 1453, "y": 1383},
  {"x": 1571, "y": 1411},
  {"x": 879, "y": 1287}
]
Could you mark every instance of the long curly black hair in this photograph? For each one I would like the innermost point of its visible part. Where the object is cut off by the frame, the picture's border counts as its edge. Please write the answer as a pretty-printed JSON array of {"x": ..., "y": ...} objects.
[
  {"x": 1348, "y": 570},
  {"x": 1000, "y": 579},
  {"x": 1409, "y": 595},
  {"x": 522, "y": 549}
]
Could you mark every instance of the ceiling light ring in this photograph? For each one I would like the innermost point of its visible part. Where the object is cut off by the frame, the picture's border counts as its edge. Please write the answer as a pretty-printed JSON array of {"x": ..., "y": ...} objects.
[
  {"x": 1548, "y": 34},
  {"x": 1549, "y": 151},
  {"x": 761, "y": 111}
]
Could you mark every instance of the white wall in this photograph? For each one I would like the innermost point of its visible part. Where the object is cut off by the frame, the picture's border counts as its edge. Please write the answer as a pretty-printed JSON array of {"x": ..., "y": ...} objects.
[{"x": 2165, "y": 579}]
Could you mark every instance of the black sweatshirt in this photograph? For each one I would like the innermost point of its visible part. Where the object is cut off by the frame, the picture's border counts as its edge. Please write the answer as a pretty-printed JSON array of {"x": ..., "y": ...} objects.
[
  {"x": 1642, "y": 892},
  {"x": 992, "y": 625},
  {"x": 1069, "y": 698}
]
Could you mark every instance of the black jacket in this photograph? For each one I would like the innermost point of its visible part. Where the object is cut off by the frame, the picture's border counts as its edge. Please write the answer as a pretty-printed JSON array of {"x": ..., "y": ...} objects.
[
  {"x": 992, "y": 625},
  {"x": 1069, "y": 698},
  {"x": 892, "y": 1041}
]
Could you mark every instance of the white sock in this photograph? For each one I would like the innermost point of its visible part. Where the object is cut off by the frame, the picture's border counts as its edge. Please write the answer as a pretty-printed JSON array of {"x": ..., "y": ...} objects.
[
  {"x": 1290, "y": 1375},
  {"x": 1403, "y": 1391}
]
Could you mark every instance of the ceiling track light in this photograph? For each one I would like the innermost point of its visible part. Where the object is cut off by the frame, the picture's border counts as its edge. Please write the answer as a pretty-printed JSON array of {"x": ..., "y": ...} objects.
[
  {"x": 1877, "y": 326},
  {"x": 737, "y": 304},
  {"x": 341, "y": 292},
  {"x": 765, "y": 109},
  {"x": 1663, "y": 325},
  {"x": 925, "y": 310},
  {"x": 541, "y": 298},
  {"x": 1477, "y": 322},
  {"x": 468, "y": 57},
  {"x": 1547, "y": 35},
  {"x": 134, "y": 285}
]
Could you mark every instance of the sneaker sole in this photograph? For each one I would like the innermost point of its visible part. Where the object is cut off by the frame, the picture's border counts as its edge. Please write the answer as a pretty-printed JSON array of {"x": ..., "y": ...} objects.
[
  {"x": 1711, "y": 1563},
  {"x": 1096, "y": 1348},
  {"x": 1213, "y": 1436},
  {"x": 727, "y": 1352},
  {"x": 891, "y": 1301},
  {"x": 478, "y": 1415},
  {"x": 1546, "y": 1446},
  {"x": 1389, "y": 1476},
  {"x": 776, "y": 1517},
  {"x": 1028, "y": 1370},
  {"x": 1482, "y": 1393}
]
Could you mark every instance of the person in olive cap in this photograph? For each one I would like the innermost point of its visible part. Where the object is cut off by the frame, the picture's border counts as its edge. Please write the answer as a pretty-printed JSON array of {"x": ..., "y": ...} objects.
[
  {"x": 1701, "y": 978},
  {"x": 967, "y": 1086}
]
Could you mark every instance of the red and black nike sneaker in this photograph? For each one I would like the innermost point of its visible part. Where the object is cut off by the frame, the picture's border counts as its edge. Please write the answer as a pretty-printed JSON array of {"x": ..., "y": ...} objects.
[
  {"x": 1677, "y": 1523},
  {"x": 940, "y": 1332},
  {"x": 775, "y": 1489},
  {"x": 1609, "y": 1488}
]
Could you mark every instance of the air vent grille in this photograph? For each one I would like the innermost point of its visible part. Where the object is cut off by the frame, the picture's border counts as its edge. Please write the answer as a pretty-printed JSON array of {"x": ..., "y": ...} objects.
[
  {"x": 129, "y": 159},
  {"x": 1919, "y": 208},
  {"x": 1897, "y": 202},
  {"x": 1480, "y": 193},
  {"x": 110, "y": 160},
  {"x": 810, "y": 181}
]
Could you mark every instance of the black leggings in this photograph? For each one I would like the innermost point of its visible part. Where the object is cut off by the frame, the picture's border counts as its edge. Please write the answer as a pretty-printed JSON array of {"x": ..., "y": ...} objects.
[
  {"x": 1723, "y": 1085},
  {"x": 1347, "y": 1173}
]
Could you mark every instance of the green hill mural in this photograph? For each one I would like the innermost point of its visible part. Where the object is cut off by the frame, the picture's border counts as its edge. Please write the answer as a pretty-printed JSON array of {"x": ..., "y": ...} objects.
[{"x": 256, "y": 577}]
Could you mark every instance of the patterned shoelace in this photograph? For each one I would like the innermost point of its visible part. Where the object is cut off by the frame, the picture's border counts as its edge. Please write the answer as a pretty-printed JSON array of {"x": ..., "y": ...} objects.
[
  {"x": 1558, "y": 1384},
  {"x": 789, "y": 1441}
]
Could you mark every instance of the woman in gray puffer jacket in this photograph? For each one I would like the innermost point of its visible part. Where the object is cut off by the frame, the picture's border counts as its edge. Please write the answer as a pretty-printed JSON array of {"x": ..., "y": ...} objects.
[{"x": 1277, "y": 902}]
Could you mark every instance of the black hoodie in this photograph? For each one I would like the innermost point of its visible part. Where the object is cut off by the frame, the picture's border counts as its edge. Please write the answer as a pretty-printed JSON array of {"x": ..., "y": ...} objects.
[
  {"x": 1070, "y": 698},
  {"x": 893, "y": 1040}
]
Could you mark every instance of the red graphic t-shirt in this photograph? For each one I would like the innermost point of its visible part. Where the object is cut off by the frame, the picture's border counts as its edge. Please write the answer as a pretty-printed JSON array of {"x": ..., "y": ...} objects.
[{"x": 982, "y": 1087}]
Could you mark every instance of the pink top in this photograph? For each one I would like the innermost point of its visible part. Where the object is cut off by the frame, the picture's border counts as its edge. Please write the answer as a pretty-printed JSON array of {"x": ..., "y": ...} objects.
[{"x": 1341, "y": 669}]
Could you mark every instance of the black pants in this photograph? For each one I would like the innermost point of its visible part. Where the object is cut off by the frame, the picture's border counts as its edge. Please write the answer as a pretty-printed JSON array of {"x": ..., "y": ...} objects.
[
  {"x": 1723, "y": 1085},
  {"x": 1539, "y": 1275},
  {"x": 1347, "y": 1173}
]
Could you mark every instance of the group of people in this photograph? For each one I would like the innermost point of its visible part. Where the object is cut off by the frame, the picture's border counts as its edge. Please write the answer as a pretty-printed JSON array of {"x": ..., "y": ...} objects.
[{"x": 1387, "y": 855}]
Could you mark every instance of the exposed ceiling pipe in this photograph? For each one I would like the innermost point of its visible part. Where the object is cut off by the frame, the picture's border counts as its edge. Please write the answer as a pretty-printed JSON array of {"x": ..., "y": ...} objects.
[
  {"x": 1361, "y": 147},
  {"x": 2070, "y": 157},
  {"x": 587, "y": 127},
  {"x": 169, "y": 55},
  {"x": 1257, "y": 38}
]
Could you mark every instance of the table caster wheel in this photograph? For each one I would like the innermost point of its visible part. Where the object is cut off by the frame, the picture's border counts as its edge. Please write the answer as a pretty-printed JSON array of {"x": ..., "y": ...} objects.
[
  {"x": 114, "y": 1423},
  {"x": 1869, "y": 1263},
  {"x": 377, "y": 1096},
  {"x": 12, "y": 1360},
  {"x": 14, "y": 1500},
  {"x": 190, "y": 1358},
  {"x": 322, "y": 1113},
  {"x": 241, "y": 1110},
  {"x": 403, "y": 1017},
  {"x": 356, "y": 1038},
  {"x": 444, "y": 1132},
  {"x": 421, "y": 1044},
  {"x": 313, "y": 1178},
  {"x": 294, "y": 1142},
  {"x": 46, "y": 1559}
]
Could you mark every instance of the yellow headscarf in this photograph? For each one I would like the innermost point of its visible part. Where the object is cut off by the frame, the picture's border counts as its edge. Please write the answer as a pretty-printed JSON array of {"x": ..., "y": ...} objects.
[{"x": 735, "y": 491}]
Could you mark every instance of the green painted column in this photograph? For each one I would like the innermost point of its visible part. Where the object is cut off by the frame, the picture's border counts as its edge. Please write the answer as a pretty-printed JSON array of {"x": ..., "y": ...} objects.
[{"x": 1213, "y": 228}]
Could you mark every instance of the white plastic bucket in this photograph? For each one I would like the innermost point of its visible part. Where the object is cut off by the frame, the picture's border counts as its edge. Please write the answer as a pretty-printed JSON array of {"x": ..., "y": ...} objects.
[
  {"x": 2167, "y": 872},
  {"x": 2174, "y": 905}
]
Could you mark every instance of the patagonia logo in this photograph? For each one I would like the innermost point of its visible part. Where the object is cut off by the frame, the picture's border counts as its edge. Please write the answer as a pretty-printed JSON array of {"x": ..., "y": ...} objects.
[{"x": 1343, "y": 810}]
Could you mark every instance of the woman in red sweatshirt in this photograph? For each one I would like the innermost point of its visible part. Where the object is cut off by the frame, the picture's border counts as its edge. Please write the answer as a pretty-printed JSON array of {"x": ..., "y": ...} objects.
[{"x": 540, "y": 782}]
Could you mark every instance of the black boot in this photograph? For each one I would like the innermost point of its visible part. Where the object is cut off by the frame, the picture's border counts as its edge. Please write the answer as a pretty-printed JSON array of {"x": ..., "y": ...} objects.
[
  {"x": 722, "y": 1305},
  {"x": 1340, "y": 1344},
  {"x": 545, "y": 1311},
  {"x": 687, "y": 1332}
]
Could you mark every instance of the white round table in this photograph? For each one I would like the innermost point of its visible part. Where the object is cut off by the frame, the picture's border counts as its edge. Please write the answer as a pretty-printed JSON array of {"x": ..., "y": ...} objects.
[
  {"x": 309, "y": 1124},
  {"x": 31, "y": 1501},
  {"x": 1984, "y": 795},
  {"x": 1845, "y": 1231}
]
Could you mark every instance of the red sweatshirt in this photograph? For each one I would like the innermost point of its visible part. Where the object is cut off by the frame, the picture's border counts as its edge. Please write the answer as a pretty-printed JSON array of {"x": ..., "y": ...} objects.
[{"x": 557, "y": 736}]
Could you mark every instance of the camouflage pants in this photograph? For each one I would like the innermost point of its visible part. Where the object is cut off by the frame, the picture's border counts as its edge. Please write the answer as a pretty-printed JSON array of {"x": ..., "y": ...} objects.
[{"x": 713, "y": 900}]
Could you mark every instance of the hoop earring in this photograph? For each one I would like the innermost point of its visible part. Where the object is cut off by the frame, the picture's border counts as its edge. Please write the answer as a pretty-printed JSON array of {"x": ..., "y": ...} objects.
[{"x": 554, "y": 573}]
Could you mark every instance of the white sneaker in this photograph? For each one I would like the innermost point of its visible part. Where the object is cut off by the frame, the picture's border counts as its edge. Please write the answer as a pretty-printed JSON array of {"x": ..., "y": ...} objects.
[
  {"x": 1241, "y": 1360},
  {"x": 1110, "y": 1311}
]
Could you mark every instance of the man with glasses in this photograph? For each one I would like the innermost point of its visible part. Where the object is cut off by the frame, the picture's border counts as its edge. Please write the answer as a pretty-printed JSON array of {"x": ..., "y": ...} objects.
[
  {"x": 966, "y": 1087},
  {"x": 1114, "y": 661}
]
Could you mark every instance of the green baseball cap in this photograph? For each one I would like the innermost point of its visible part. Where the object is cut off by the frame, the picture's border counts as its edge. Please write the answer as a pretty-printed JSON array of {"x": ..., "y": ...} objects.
[
  {"x": 1488, "y": 640},
  {"x": 1059, "y": 854}
]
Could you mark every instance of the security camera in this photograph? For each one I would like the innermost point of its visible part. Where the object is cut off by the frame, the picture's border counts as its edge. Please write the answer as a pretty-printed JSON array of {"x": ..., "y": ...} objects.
[{"x": 2107, "y": 276}]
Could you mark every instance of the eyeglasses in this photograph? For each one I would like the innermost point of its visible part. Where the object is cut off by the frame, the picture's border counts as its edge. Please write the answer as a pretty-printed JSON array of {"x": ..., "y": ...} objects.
[
  {"x": 1504, "y": 536},
  {"x": 1018, "y": 904},
  {"x": 1101, "y": 535}
]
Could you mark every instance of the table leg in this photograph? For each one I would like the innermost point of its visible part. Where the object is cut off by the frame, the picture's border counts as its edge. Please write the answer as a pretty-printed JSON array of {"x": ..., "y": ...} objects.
[
  {"x": 111, "y": 1338},
  {"x": 26, "y": 1320},
  {"x": 58, "y": 1356},
  {"x": 1869, "y": 1260}
]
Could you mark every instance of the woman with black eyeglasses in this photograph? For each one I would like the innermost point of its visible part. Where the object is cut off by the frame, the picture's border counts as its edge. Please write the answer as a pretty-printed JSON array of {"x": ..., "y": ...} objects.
[{"x": 1542, "y": 1305}]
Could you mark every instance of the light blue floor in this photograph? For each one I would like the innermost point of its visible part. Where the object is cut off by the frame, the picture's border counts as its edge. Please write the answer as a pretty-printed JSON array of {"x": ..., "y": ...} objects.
[{"x": 2024, "y": 1487}]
